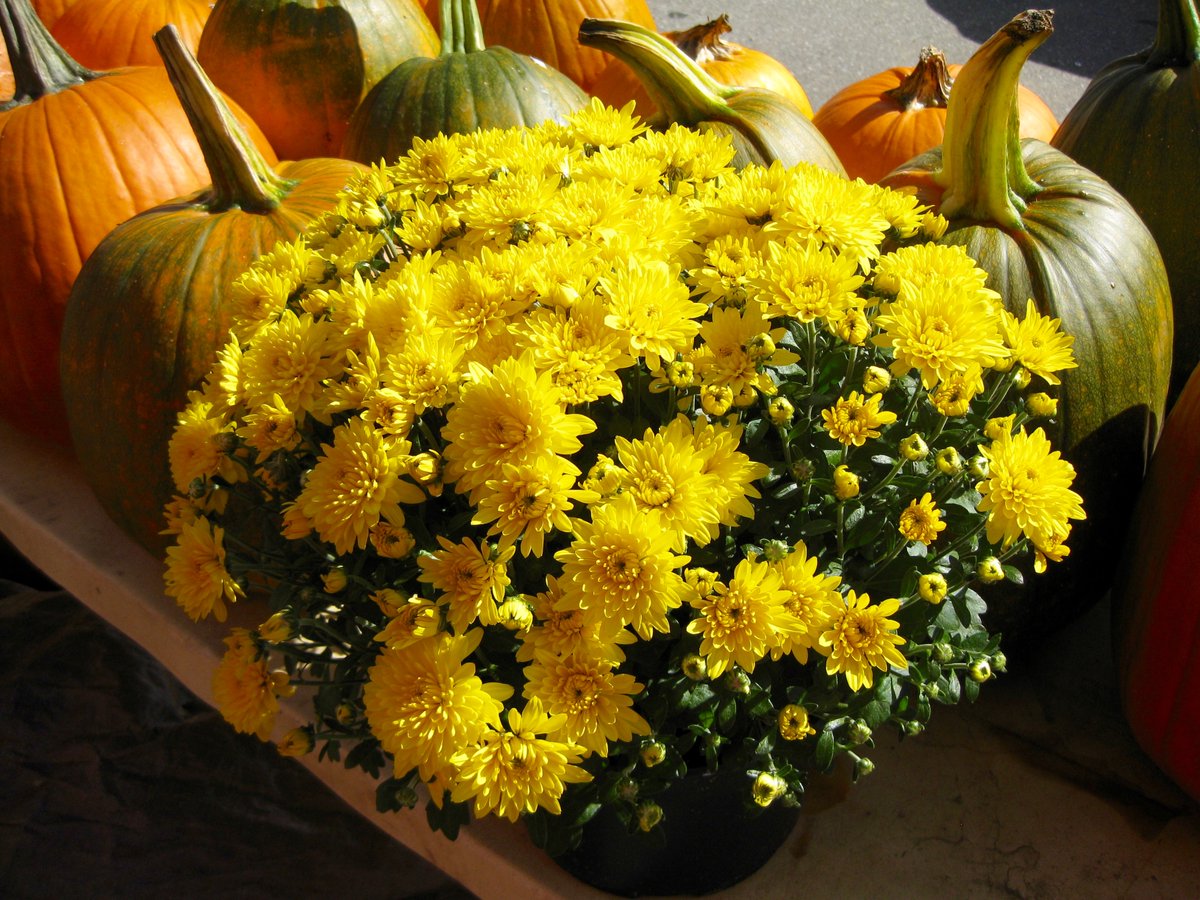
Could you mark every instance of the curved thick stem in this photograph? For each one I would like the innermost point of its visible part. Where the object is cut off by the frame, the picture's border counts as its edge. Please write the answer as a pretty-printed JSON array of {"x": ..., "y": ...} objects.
[
  {"x": 683, "y": 91},
  {"x": 926, "y": 86},
  {"x": 982, "y": 172},
  {"x": 240, "y": 176},
  {"x": 462, "y": 32},
  {"x": 39, "y": 65},
  {"x": 1177, "y": 41}
]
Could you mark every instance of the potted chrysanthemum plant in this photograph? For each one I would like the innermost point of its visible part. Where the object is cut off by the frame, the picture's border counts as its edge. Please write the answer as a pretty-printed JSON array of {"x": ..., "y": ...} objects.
[{"x": 568, "y": 462}]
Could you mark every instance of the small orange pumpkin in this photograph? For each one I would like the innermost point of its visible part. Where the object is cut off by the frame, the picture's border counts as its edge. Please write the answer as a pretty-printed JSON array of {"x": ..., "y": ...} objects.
[
  {"x": 884, "y": 120},
  {"x": 50, "y": 11},
  {"x": 108, "y": 34},
  {"x": 726, "y": 61}
]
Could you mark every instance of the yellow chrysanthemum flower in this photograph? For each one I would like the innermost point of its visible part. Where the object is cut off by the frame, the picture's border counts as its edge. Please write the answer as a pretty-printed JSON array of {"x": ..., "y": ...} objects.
[
  {"x": 528, "y": 502},
  {"x": 741, "y": 622},
  {"x": 835, "y": 212},
  {"x": 665, "y": 471},
  {"x": 1038, "y": 343},
  {"x": 806, "y": 281},
  {"x": 410, "y": 620},
  {"x": 940, "y": 332},
  {"x": 471, "y": 577},
  {"x": 921, "y": 520},
  {"x": 793, "y": 723},
  {"x": 425, "y": 703},
  {"x": 290, "y": 358},
  {"x": 623, "y": 567},
  {"x": 812, "y": 601},
  {"x": 728, "y": 272},
  {"x": 595, "y": 701},
  {"x": 1028, "y": 490},
  {"x": 245, "y": 690},
  {"x": 598, "y": 125},
  {"x": 583, "y": 355},
  {"x": 563, "y": 631},
  {"x": 508, "y": 414},
  {"x": 513, "y": 771},
  {"x": 734, "y": 472},
  {"x": 729, "y": 354},
  {"x": 355, "y": 483},
  {"x": 861, "y": 639},
  {"x": 269, "y": 428},
  {"x": 652, "y": 308},
  {"x": 856, "y": 419},
  {"x": 195, "y": 575}
]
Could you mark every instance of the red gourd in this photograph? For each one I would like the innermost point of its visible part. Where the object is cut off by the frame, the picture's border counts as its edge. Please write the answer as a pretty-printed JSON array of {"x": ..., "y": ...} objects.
[{"x": 1156, "y": 601}]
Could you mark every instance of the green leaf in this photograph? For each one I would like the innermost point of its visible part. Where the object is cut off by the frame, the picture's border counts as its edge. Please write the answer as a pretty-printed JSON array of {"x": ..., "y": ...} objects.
[{"x": 826, "y": 747}]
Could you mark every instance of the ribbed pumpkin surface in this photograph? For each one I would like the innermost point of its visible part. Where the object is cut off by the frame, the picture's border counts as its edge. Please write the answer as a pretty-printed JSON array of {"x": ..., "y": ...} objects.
[{"x": 108, "y": 34}]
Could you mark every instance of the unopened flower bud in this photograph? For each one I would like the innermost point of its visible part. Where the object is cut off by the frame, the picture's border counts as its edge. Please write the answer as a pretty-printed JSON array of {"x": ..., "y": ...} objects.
[
  {"x": 932, "y": 587},
  {"x": 276, "y": 629},
  {"x": 793, "y": 724},
  {"x": 845, "y": 483},
  {"x": 344, "y": 714},
  {"x": 335, "y": 580},
  {"x": 515, "y": 614},
  {"x": 649, "y": 814},
  {"x": 680, "y": 374},
  {"x": 652, "y": 753},
  {"x": 775, "y": 550},
  {"x": 978, "y": 467},
  {"x": 934, "y": 226},
  {"x": 695, "y": 667},
  {"x": 802, "y": 470},
  {"x": 990, "y": 570},
  {"x": 863, "y": 767},
  {"x": 1021, "y": 377},
  {"x": 768, "y": 787},
  {"x": 999, "y": 427},
  {"x": 1042, "y": 405},
  {"x": 943, "y": 652},
  {"x": 737, "y": 682},
  {"x": 876, "y": 379},
  {"x": 913, "y": 448},
  {"x": 999, "y": 662},
  {"x": 780, "y": 411},
  {"x": 949, "y": 461},
  {"x": 760, "y": 348},
  {"x": 296, "y": 742},
  {"x": 858, "y": 733},
  {"x": 627, "y": 789},
  {"x": 716, "y": 399},
  {"x": 980, "y": 671}
]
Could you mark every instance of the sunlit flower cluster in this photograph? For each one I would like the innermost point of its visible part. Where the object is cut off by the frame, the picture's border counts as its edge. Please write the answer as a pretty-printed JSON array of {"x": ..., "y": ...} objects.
[{"x": 565, "y": 459}]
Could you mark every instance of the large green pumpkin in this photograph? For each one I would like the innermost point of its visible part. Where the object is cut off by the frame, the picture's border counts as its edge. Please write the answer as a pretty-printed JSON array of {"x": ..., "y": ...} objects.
[
  {"x": 764, "y": 126},
  {"x": 1046, "y": 228},
  {"x": 151, "y": 305},
  {"x": 300, "y": 68},
  {"x": 468, "y": 86},
  {"x": 1137, "y": 125}
]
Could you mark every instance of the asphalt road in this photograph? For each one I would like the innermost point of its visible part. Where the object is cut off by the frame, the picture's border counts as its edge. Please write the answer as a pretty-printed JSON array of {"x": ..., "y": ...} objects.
[{"x": 829, "y": 44}]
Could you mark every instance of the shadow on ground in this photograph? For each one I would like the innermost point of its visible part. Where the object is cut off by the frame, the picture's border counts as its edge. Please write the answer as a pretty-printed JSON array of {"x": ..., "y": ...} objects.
[{"x": 1088, "y": 34}]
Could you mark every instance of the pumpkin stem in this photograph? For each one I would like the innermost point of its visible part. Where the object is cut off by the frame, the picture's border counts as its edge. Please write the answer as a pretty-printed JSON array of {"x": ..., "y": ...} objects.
[
  {"x": 704, "y": 43},
  {"x": 240, "y": 176},
  {"x": 39, "y": 65},
  {"x": 462, "y": 32},
  {"x": 682, "y": 91},
  {"x": 982, "y": 172},
  {"x": 1177, "y": 41},
  {"x": 926, "y": 86}
]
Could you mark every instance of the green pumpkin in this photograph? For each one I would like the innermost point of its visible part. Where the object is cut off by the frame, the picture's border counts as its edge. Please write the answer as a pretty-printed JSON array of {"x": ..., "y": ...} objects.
[
  {"x": 151, "y": 306},
  {"x": 764, "y": 127},
  {"x": 1046, "y": 228},
  {"x": 1137, "y": 125},
  {"x": 468, "y": 86}
]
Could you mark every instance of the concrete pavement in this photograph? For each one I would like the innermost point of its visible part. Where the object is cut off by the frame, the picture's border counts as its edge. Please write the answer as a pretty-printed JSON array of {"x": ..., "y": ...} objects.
[{"x": 829, "y": 44}]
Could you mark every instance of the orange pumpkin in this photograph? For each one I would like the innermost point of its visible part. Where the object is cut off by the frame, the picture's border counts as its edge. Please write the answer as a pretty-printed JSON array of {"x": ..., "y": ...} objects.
[
  {"x": 108, "y": 34},
  {"x": 883, "y": 121},
  {"x": 301, "y": 68},
  {"x": 726, "y": 61},
  {"x": 82, "y": 152},
  {"x": 549, "y": 31},
  {"x": 50, "y": 11},
  {"x": 6, "y": 75}
]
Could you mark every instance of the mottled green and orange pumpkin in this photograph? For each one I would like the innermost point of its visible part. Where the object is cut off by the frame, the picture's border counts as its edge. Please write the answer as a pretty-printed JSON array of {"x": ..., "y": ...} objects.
[
  {"x": 301, "y": 68},
  {"x": 151, "y": 306}
]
